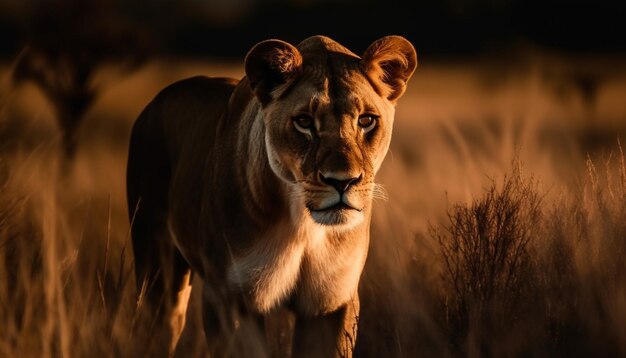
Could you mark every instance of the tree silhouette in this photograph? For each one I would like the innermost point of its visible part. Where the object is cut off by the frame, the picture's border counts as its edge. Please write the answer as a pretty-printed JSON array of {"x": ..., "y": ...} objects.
[{"x": 67, "y": 42}]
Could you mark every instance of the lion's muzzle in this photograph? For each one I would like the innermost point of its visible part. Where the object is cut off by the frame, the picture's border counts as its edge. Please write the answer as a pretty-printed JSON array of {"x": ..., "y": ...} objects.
[{"x": 340, "y": 202}]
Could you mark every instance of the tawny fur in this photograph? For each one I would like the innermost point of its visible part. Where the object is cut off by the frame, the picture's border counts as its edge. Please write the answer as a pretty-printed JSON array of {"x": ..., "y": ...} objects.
[{"x": 226, "y": 184}]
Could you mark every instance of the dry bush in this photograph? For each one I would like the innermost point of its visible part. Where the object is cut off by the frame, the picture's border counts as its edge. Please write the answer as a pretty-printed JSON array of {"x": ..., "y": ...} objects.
[
  {"x": 487, "y": 264},
  {"x": 526, "y": 275}
]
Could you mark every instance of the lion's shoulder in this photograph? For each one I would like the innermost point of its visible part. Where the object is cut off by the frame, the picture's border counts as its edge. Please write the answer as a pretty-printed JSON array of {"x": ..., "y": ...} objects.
[{"x": 194, "y": 89}]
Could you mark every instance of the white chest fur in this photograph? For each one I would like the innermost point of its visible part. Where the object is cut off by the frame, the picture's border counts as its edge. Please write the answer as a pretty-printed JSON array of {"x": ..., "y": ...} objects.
[{"x": 308, "y": 261}]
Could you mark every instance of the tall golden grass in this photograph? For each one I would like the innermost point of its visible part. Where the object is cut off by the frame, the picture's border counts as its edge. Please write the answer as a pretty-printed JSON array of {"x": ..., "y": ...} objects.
[{"x": 470, "y": 255}]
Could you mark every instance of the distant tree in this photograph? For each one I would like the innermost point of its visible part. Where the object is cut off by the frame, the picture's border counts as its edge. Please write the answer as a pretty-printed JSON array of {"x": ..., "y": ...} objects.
[{"x": 67, "y": 42}]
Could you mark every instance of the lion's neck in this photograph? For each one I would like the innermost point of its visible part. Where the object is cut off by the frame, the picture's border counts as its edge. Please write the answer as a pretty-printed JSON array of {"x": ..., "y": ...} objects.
[{"x": 264, "y": 194}]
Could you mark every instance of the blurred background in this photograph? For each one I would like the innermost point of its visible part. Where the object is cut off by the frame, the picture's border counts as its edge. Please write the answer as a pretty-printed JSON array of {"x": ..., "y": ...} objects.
[
  {"x": 227, "y": 29},
  {"x": 73, "y": 61},
  {"x": 541, "y": 84}
]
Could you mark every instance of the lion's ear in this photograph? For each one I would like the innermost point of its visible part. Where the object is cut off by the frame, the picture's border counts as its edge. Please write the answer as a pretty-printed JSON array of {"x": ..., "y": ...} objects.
[
  {"x": 269, "y": 64},
  {"x": 390, "y": 62}
]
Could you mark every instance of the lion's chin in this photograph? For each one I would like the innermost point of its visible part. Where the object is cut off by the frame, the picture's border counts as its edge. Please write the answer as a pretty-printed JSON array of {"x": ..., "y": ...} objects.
[{"x": 338, "y": 216}]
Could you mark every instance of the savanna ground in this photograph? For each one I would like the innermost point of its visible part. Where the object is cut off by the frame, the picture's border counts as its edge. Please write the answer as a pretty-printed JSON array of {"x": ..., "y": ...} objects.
[{"x": 503, "y": 234}]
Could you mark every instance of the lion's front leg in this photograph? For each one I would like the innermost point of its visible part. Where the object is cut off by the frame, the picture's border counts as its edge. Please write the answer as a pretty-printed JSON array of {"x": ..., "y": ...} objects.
[
  {"x": 230, "y": 329},
  {"x": 329, "y": 335}
]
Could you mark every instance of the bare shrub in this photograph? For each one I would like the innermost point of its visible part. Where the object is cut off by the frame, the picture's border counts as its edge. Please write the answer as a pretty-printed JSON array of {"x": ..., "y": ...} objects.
[{"x": 486, "y": 260}]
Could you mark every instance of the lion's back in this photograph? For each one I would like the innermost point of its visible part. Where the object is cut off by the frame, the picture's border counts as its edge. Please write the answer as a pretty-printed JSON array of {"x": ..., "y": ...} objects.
[
  {"x": 168, "y": 140},
  {"x": 191, "y": 107}
]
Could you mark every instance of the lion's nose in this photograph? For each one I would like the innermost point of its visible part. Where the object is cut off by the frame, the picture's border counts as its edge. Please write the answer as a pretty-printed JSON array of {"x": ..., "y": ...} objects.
[{"x": 339, "y": 181}]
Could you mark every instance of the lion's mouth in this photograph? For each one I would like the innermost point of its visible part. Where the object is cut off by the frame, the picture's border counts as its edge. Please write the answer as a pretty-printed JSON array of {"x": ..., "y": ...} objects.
[
  {"x": 337, "y": 214},
  {"x": 340, "y": 210},
  {"x": 336, "y": 207}
]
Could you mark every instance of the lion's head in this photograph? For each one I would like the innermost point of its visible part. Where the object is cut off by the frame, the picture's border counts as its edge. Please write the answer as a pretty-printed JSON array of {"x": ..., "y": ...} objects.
[{"x": 328, "y": 118}]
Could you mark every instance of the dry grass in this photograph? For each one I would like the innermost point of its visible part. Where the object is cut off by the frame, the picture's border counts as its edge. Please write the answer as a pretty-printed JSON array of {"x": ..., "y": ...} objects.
[
  {"x": 468, "y": 257},
  {"x": 65, "y": 284}
]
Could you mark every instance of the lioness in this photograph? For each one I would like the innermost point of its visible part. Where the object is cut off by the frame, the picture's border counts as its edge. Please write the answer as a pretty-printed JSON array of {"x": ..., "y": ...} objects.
[{"x": 263, "y": 187}]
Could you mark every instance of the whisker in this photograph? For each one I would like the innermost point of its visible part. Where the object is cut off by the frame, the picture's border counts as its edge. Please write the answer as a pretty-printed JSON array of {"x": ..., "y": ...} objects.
[{"x": 380, "y": 192}]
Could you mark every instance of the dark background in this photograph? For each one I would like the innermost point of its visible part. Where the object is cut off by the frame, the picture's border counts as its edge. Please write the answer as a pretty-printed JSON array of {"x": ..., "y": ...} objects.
[{"x": 227, "y": 29}]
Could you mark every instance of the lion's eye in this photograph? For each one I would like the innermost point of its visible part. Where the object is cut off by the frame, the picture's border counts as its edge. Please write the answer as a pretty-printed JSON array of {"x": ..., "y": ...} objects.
[
  {"x": 303, "y": 123},
  {"x": 367, "y": 122}
]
